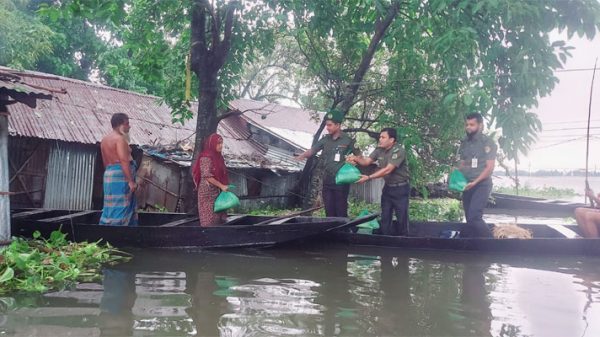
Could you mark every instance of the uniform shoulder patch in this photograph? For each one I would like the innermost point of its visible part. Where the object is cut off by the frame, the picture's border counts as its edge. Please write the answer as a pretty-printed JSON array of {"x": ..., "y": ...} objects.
[{"x": 395, "y": 155}]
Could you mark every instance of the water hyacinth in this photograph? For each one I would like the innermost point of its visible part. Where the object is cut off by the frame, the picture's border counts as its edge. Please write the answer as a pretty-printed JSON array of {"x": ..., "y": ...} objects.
[{"x": 41, "y": 265}]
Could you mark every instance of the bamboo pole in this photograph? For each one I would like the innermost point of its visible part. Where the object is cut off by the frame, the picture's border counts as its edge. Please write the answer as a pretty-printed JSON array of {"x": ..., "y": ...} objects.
[
  {"x": 4, "y": 184},
  {"x": 587, "y": 145}
]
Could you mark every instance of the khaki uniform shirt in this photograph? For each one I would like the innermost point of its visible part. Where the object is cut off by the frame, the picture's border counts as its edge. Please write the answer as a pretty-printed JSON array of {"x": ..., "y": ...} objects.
[
  {"x": 475, "y": 152},
  {"x": 395, "y": 156},
  {"x": 334, "y": 154}
]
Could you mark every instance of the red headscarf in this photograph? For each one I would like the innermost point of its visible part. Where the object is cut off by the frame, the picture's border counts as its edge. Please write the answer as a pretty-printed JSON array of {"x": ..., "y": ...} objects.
[{"x": 209, "y": 150}]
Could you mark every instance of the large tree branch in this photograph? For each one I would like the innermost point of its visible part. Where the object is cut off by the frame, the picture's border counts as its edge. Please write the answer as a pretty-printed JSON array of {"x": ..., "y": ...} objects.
[
  {"x": 380, "y": 29},
  {"x": 198, "y": 45},
  {"x": 255, "y": 74},
  {"x": 273, "y": 95},
  {"x": 372, "y": 134},
  {"x": 223, "y": 47},
  {"x": 264, "y": 84}
]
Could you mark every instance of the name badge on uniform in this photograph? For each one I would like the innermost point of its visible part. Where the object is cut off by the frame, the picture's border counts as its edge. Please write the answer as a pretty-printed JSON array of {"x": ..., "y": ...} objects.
[
  {"x": 336, "y": 157},
  {"x": 474, "y": 163}
]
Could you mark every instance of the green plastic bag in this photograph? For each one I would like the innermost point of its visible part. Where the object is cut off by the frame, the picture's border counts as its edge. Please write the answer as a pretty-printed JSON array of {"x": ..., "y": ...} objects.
[
  {"x": 226, "y": 200},
  {"x": 347, "y": 174},
  {"x": 373, "y": 224},
  {"x": 457, "y": 181}
]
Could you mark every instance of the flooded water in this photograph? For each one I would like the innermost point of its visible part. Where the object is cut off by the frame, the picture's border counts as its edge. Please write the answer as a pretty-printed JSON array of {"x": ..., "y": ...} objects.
[{"x": 325, "y": 292}]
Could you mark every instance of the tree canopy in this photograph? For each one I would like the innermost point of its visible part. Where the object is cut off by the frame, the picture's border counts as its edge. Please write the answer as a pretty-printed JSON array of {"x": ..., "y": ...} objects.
[{"x": 417, "y": 66}]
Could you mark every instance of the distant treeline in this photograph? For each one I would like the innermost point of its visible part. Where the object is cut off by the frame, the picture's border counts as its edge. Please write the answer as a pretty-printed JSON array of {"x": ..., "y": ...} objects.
[{"x": 550, "y": 173}]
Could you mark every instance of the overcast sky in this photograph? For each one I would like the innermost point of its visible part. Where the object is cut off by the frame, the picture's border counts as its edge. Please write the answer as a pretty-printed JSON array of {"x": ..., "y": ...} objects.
[{"x": 564, "y": 114}]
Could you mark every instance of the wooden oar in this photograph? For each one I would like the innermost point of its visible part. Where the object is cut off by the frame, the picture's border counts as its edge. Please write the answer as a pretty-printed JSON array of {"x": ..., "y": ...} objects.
[
  {"x": 288, "y": 216},
  {"x": 587, "y": 146},
  {"x": 356, "y": 221}
]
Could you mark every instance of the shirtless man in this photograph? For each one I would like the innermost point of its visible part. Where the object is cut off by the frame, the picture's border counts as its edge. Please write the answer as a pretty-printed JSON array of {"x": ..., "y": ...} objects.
[
  {"x": 588, "y": 219},
  {"x": 119, "y": 175}
]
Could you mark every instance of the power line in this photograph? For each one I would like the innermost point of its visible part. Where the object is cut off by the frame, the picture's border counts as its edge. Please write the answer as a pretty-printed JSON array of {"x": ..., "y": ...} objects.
[
  {"x": 570, "y": 122},
  {"x": 567, "y": 129},
  {"x": 559, "y": 143},
  {"x": 473, "y": 76}
]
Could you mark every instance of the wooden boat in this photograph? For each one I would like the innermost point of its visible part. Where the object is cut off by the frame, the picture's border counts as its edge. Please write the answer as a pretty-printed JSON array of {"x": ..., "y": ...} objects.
[
  {"x": 176, "y": 230},
  {"x": 547, "y": 239},
  {"x": 547, "y": 206}
]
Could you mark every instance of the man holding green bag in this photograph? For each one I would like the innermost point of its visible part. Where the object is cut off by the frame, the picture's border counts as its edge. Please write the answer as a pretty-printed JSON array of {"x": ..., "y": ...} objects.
[
  {"x": 393, "y": 168},
  {"x": 477, "y": 159},
  {"x": 335, "y": 146}
]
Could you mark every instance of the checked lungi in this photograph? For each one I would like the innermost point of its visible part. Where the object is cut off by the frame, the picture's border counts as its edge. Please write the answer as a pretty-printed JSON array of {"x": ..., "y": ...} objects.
[{"x": 119, "y": 203}]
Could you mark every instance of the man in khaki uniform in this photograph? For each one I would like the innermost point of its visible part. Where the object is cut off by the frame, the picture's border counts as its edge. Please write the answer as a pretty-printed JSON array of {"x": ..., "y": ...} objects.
[
  {"x": 334, "y": 147},
  {"x": 393, "y": 168},
  {"x": 477, "y": 159}
]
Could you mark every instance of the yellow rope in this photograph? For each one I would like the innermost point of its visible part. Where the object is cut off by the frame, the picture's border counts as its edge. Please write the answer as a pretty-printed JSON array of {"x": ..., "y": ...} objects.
[{"x": 188, "y": 78}]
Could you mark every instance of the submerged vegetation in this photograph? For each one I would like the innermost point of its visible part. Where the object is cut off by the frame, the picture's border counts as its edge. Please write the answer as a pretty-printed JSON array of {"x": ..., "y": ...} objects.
[
  {"x": 547, "y": 192},
  {"x": 40, "y": 265}
]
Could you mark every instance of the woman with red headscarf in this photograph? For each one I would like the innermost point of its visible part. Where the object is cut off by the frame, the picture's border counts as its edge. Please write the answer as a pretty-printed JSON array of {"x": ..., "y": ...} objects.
[{"x": 210, "y": 177}]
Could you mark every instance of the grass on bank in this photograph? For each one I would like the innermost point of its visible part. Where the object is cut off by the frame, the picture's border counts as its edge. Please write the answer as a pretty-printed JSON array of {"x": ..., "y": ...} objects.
[
  {"x": 546, "y": 192},
  {"x": 444, "y": 209}
]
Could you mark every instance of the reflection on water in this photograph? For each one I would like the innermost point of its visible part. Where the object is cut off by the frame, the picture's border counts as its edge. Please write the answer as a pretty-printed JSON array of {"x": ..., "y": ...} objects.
[{"x": 371, "y": 292}]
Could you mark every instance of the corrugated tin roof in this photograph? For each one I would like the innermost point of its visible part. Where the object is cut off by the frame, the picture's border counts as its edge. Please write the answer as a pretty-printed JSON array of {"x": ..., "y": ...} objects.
[
  {"x": 81, "y": 113},
  {"x": 295, "y": 125},
  {"x": 278, "y": 116},
  {"x": 11, "y": 81}
]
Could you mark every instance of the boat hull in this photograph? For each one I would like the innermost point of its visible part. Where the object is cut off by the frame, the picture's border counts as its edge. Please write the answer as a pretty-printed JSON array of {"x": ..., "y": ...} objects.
[
  {"x": 547, "y": 239},
  {"x": 171, "y": 230}
]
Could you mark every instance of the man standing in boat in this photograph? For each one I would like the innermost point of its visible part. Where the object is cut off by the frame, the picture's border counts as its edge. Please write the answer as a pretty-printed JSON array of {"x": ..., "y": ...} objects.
[
  {"x": 477, "y": 160},
  {"x": 335, "y": 146},
  {"x": 588, "y": 219},
  {"x": 393, "y": 168},
  {"x": 119, "y": 175}
]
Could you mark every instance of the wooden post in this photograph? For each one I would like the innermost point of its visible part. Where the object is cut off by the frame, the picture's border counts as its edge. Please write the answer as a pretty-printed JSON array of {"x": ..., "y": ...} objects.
[
  {"x": 4, "y": 185},
  {"x": 516, "y": 176}
]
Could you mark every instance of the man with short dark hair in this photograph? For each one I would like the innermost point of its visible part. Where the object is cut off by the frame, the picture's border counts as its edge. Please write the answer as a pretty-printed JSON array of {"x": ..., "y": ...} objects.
[
  {"x": 393, "y": 168},
  {"x": 477, "y": 160},
  {"x": 119, "y": 185},
  {"x": 334, "y": 147}
]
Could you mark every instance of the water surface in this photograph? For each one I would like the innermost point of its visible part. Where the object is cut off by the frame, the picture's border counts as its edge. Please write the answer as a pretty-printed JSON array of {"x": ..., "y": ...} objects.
[{"x": 325, "y": 292}]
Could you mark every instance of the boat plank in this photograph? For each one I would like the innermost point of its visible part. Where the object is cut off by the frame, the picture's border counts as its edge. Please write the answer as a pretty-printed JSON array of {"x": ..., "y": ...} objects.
[
  {"x": 179, "y": 222},
  {"x": 567, "y": 232},
  {"x": 27, "y": 214},
  {"x": 68, "y": 216}
]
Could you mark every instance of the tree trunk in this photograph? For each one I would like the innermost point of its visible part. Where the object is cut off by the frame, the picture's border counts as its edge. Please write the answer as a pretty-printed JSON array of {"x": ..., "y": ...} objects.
[
  {"x": 206, "y": 124},
  {"x": 309, "y": 185}
]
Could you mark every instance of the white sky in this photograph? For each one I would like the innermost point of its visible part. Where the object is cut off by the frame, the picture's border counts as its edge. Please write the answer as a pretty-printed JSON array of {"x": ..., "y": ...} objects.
[{"x": 567, "y": 108}]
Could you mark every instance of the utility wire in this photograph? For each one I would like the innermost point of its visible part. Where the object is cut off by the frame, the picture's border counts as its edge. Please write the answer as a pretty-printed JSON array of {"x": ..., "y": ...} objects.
[{"x": 482, "y": 75}]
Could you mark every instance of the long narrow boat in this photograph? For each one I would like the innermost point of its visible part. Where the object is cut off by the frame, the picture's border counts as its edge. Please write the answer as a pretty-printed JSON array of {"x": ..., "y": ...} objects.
[
  {"x": 176, "y": 230},
  {"x": 547, "y": 239},
  {"x": 547, "y": 206}
]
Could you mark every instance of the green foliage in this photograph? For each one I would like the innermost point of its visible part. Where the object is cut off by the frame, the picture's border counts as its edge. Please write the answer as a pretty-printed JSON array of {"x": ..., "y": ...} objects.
[
  {"x": 23, "y": 38},
  {"x": 435, "y": 210},
  {"x": 437, "y": 61},
  {"x": 40, "y": 265},
  {"x": 419, "y": 210},
  {"x": 271, "y": 211}
]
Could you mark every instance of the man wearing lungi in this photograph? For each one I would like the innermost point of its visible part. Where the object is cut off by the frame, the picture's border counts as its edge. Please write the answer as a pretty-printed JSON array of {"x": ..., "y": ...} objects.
[{"x": 119, "y": 175}]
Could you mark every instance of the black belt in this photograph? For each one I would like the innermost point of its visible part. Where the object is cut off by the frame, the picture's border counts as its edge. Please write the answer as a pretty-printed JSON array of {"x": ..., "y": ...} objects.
[{"x": 397, "y": 184}]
